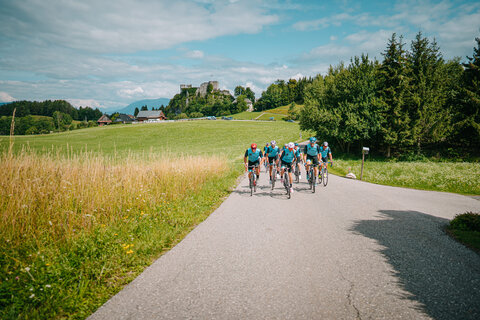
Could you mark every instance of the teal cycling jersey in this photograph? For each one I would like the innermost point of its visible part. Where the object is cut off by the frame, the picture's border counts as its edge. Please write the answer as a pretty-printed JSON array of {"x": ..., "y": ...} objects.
[
  {"x": 272, "y": 152},
  {"x": 325, "y": 152},
  {"x": 312, "y": 151},
  {"x": 288, "y": 155},
  {"x": 253, "y": 156},
  {"x": 297, "y": 153}
]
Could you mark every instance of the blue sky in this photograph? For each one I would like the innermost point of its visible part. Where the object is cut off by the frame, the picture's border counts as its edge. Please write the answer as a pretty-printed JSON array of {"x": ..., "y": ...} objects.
[{"x": 110, "y": 53}]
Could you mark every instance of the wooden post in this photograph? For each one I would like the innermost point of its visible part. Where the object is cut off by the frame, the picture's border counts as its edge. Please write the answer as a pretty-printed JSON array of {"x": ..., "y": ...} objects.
[{"x": 363, "y": 159}]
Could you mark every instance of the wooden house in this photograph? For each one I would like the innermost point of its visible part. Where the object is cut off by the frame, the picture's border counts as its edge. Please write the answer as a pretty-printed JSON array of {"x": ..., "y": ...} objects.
[
  {"x": 150, "y": 116},
  {"x": 104, "y": 120}
]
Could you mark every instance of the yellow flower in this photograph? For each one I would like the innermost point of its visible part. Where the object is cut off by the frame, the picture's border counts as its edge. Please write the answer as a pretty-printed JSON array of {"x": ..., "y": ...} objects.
[
  {"x": 116, "y": 234},
  {"x": 47, "y": 264},
  {"x": 129, "y": 252}
]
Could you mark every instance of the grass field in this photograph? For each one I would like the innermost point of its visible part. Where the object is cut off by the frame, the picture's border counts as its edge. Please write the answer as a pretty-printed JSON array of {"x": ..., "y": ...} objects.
[
  {"x": 79, "y": 225},
  {"x": 277, "y": 113},
  {"x": 229, "y": 138},
  {"x": 457, "y": 177}
]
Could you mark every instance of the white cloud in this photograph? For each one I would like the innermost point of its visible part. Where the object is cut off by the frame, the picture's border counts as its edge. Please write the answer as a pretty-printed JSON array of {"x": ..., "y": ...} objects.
[
  {"x": 86, "y": 102},
  {"x": 129, "y": 93},
  {"x": 5, "y": 97},
  {"x": 333, "y": 38},
  {"x": 195, "y": 54},
  {"x": 126, "y": 25}
]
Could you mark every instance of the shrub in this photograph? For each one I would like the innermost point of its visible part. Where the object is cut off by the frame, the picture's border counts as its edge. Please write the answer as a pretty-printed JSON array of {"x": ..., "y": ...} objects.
[{"x": 468, "y": 221}]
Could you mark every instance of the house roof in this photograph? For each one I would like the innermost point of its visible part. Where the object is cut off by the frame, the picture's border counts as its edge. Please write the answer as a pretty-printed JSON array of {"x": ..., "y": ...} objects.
[
  {"x": 104, "y": 118},
  {"x": 150, "y": 114},
  {"x": 122, "y": 117}
]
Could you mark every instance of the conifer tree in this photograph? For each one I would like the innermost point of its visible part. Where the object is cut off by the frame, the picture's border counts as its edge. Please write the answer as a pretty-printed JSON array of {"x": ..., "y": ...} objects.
[{"x": 395, "y": 131}]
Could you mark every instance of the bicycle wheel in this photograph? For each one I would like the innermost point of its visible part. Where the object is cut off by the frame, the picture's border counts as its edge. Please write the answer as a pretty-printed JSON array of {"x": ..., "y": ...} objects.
[
  {"x": 297, "y": 174},
  {"x": 254, "y": 182},
  {"x": 286, "y": 181},
  {"x": 320, "y": 175},
  {"x": 325, "y": 177},
  {"x": 251, "y": 184},
  {"x": 310, "y": 177},
  {"x": 274, "y": 177},
  {"x": 314, "y": 180}
]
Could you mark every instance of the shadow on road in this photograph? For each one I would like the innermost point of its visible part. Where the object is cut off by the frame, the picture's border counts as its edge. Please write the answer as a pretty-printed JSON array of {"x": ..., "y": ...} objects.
[{"x": 440, "y": 274}]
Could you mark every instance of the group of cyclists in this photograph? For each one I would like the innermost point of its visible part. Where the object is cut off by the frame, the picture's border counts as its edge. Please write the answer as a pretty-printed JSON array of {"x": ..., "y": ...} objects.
[{"x": 287, "y": 157}]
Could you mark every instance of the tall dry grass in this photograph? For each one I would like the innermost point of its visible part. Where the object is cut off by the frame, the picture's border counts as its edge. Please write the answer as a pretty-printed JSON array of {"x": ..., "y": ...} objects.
[{"x": 55, "y": 196}]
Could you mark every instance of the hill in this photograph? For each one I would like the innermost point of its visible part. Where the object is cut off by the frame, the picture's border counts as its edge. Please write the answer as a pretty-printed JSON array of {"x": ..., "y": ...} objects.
[{"x": 130, "y": 109}]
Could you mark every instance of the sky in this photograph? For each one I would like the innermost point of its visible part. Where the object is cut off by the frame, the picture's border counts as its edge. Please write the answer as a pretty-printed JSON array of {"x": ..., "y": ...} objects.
[{"x": 108, "y": 54}]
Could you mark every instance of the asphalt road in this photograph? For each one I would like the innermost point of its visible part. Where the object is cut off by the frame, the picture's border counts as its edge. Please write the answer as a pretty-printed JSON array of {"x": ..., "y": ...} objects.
[{"x": 352, "y": 250}]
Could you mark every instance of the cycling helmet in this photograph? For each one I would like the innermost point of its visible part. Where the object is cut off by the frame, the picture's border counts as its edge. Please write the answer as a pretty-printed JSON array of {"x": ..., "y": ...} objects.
[
  {"x": 291, "y": 145},
  {"x": 273, "y": 142},
  {"x": 325, "y": 144},
  {"x": 313, "y": 139},
  {"x": 296, "y": 144},
  {"x": 254, "y": 146}
]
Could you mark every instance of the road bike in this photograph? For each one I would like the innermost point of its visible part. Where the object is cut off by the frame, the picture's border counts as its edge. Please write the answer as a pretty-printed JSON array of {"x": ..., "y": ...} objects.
[
  {"x": 311, "y": 177},
  {"x": 274, "y": 174},
  {"x": 253, "y": 179},
  {"x": 297, "y": 173},
  {"x": 323, "y": 173},
  {"x": 286, "y": 182}
]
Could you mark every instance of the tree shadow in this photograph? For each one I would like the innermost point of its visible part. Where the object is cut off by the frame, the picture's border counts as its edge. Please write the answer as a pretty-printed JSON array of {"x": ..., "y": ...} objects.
[{"x": 440, "y": 273}]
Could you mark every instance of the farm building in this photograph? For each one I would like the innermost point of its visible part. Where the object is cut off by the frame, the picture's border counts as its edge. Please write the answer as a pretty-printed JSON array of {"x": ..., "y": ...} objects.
[
  {"x": 155, "y": 115},
  {"x": 125, "y": 118},
  {"x": 104, "y": 120}
]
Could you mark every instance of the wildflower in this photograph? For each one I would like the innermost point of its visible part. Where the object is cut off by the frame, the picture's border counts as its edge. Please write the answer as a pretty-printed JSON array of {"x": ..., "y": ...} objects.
[
  {"x": 116, "y": 234},
  {"x": 27, "y": 269},
  {"x": 129, "y": 252},
  {"x": 17, "y": 278},
  {"x": 31, "y": 289},
  {"x": 33, "y": 295},
  {"x": 102, "y": 225},
  {"x": 47, "y": 264},
  {"x": 50, "y": 223},
  {"x": 48, "y": 286}
]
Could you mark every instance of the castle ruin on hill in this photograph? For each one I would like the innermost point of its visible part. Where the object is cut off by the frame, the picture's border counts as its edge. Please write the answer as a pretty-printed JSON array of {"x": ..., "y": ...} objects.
[{"x": 202, "y": 90}]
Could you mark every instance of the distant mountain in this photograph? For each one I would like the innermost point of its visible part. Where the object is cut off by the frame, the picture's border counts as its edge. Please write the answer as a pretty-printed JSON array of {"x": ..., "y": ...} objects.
[
  {"x": 2, "y": 103},
  {"x": 130, "y": 109}
]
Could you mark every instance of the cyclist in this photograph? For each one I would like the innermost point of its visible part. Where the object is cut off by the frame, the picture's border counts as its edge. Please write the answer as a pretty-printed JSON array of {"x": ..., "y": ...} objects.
[
  {"x": 298, "y": 158},
  {"x": 287, "y": 156},
  {"x": 311, "y": 155},
  {"x": 265, "y": 155},
  {"x": 254, "y": 157},
  {"x": 271, "y": 154},
  {"x": 324, "y": 152}
]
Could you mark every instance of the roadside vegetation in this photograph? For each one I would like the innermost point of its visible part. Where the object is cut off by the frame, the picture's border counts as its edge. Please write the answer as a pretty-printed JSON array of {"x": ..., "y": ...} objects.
[
  {"x": 79, "y": 225},
  {"x": 466, "y": 229},
  {"x": 457, "y": 177}
]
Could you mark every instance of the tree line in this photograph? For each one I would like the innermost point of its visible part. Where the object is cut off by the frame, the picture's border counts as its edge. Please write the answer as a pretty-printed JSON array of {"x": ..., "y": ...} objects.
[
  {"x": 413, "y": 102},
  {"x": 33, "y": 117}
]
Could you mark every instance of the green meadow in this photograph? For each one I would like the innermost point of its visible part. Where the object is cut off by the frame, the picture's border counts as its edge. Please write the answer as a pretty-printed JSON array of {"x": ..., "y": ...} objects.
[{"x": 207, "y": 137}]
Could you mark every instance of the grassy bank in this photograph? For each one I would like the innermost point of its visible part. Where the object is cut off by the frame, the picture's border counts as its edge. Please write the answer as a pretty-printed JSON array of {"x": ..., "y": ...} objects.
[
  {"x": 465, "y": 228},
  {"x": 457, "y": 177},
  {"x": 75, "y": 230}
]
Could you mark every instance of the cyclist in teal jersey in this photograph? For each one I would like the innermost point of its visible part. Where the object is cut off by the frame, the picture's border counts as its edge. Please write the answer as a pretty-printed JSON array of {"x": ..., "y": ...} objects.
[
  {"x": 254, "y": 157},
  {"x": 287, "y": 157},
  {"x": 298, "y": 158},
  {"x": 324, "y": 153},
  {"x": 311, "y": 155},
  {"x": 271, "y": 154}
]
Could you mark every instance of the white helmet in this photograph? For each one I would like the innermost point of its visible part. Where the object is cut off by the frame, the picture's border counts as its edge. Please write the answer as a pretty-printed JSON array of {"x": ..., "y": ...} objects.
[
  {"x": 291, "y": 145},
  {"x": 273, "y": 142},
  {"x": 325, "y": 144}
]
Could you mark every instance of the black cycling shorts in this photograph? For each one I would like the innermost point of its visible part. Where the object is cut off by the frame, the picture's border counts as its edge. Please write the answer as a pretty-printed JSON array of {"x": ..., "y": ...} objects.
[
  {"x": 325, "y": 159},
  {"x": 272, "y": 160},
  {"x": 252, "y": 164},
  {"x": 287, "y": 165},
  {"x": 313, "y": 159}
]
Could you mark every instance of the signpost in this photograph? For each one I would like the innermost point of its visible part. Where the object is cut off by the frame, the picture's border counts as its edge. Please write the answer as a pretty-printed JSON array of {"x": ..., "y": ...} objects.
[{"x": 364, "y": 152}]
